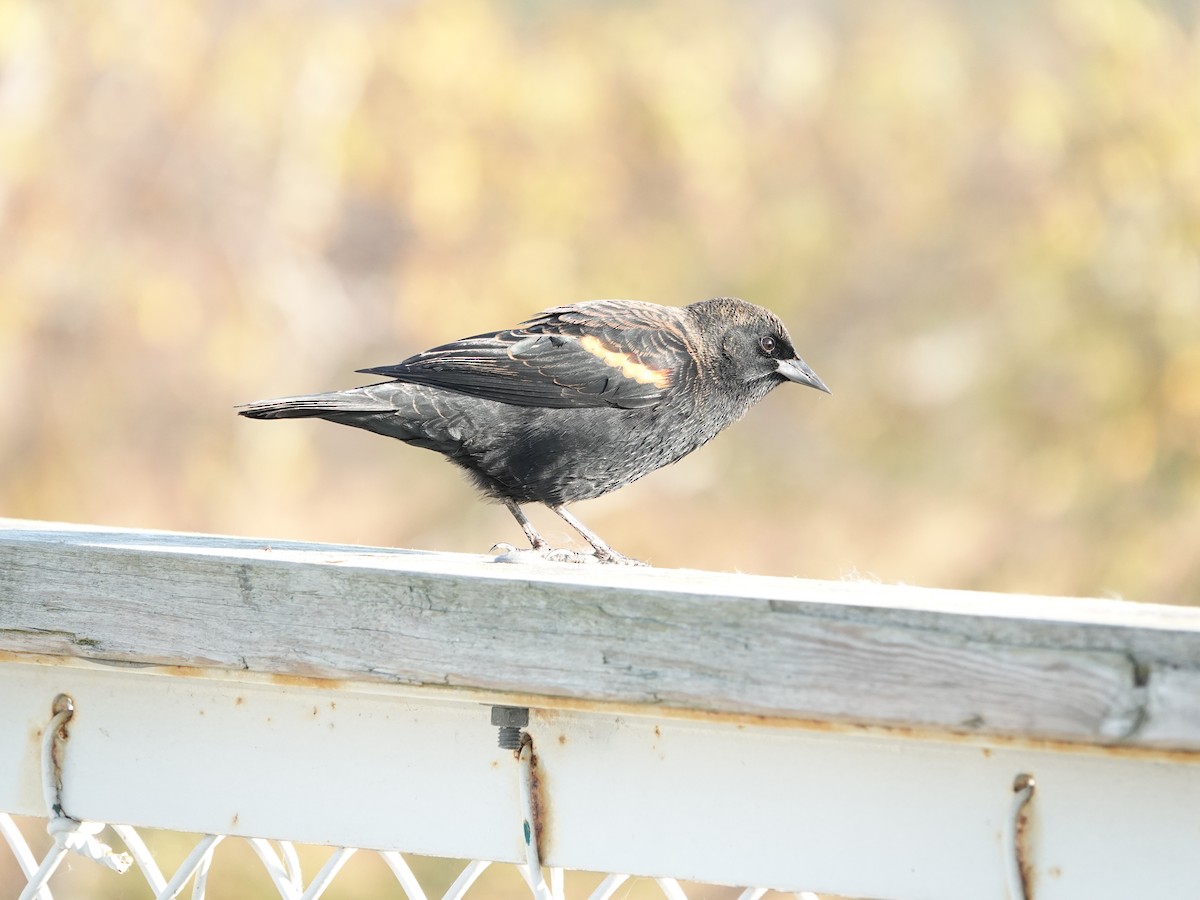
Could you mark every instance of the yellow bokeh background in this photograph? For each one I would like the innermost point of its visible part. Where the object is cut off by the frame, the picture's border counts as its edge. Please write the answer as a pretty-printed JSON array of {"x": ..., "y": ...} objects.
[{"x": 981, "y": 222}]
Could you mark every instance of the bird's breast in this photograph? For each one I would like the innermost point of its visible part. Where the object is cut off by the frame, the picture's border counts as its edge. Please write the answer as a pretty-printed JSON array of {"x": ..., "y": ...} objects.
[{"x": 564, "y": 455}]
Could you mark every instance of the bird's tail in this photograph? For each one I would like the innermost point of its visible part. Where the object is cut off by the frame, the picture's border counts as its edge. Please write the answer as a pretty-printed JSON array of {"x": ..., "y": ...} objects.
[
  {"x": 321, "y": 406},
  {"x": 391, "y": 408}
]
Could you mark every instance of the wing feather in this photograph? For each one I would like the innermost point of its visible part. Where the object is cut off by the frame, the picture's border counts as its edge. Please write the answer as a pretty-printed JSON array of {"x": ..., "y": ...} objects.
[{"x": 605, "y": 353}]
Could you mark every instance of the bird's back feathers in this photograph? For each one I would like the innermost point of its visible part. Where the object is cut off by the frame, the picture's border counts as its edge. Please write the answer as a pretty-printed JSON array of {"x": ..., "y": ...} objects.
[{"x": 605, "y": 353}]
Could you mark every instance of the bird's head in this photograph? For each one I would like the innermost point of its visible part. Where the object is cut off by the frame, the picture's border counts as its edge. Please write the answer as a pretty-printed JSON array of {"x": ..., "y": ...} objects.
[{"x": 750, "y": 346}]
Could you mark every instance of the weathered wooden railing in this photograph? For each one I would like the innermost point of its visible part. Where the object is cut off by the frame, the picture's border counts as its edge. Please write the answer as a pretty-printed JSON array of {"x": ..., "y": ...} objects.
[{"x": 851, "y": 737}]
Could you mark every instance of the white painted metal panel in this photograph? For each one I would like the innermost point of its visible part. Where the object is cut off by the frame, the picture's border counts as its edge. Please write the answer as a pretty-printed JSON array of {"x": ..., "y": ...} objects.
[
  {"x": 870, "y": 815},
  {"x": 323, "y": 766},
  {"x": 767, "y": 802}
]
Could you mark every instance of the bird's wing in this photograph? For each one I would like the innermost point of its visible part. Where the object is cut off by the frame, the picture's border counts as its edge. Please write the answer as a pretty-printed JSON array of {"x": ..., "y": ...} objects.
[{"x": 593, "y": 354}]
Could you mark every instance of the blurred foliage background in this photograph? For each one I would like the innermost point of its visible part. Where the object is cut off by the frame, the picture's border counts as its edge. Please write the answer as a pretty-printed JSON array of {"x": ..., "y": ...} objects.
[{"x": 981, "y": 222}]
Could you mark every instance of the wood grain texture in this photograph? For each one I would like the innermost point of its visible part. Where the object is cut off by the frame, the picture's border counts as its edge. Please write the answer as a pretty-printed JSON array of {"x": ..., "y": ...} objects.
[{"x": 1097, "y": 671}]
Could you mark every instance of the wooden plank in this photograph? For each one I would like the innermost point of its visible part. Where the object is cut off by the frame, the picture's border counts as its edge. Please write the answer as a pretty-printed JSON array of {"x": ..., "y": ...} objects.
[{"x": 1096, "y": 671}]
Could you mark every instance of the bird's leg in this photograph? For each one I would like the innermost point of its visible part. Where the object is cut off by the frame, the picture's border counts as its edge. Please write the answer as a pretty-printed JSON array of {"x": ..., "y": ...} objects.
[
  {"x": 536, "y": 541},
  {"x": 604, "y": 553},
  {"x": 540, "y": 547}
]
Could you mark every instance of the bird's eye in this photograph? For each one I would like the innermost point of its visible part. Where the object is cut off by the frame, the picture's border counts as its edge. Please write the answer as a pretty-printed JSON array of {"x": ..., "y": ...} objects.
[{"x": 768, "y": 344}]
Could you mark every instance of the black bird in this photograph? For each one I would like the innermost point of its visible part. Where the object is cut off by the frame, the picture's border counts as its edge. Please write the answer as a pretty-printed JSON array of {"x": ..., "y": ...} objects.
[{"x": 576, "y": 402}]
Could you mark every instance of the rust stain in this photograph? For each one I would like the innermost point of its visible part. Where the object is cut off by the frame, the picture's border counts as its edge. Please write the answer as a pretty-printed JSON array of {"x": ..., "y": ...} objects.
[
  {"x": 630, "y": 367},
  {"x": 540, "y": 813},
  {"x": 62, "y": 704},
  {"x": 239, "y": 700},
  {"x": 1022, "y": 835},
  {"x": 312, "y": 681},
  {"x": 183, "y": 671},
  {"x": 562, "y": 739}
]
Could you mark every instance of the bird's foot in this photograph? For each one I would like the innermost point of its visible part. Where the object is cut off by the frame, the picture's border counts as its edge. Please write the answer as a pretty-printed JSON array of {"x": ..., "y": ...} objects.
[
  {"x": 507, "y": 553},
  {"x": 563, "y": 554},
  {"x": 510, "y": 554}
]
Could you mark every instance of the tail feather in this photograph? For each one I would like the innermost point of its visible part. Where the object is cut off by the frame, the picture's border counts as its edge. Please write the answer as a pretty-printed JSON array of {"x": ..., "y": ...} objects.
[
  {"x": 358, "y": 400},
  {"x": 407, "y": 412}
]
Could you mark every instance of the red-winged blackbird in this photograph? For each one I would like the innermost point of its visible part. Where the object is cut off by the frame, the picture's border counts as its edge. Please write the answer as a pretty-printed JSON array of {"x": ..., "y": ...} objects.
[{"x": 576, "y": 402}]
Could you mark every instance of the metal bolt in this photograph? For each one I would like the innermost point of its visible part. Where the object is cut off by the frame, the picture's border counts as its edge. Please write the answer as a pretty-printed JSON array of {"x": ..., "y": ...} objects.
[{"x": 510, "y": 720}]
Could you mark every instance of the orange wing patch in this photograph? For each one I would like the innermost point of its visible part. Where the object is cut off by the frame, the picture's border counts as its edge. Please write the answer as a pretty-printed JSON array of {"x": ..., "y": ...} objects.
[{"x": 630, "y": 367}]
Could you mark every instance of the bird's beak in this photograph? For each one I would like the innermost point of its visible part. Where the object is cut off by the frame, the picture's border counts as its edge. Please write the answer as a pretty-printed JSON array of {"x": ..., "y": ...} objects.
[{"x": 797, "y": 370}]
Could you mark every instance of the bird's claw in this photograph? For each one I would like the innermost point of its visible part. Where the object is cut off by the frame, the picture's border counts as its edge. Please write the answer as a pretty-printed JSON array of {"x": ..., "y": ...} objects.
[{"x": 511, "y": 554}]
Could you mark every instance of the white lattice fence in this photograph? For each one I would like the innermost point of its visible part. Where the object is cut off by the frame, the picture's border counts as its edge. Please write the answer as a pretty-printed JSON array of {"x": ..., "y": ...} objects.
[{"x": 847, "y": 739}]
